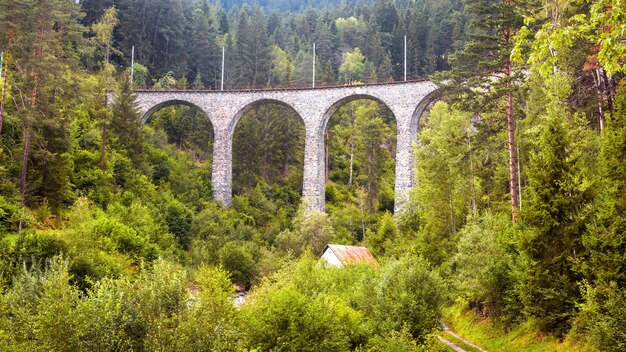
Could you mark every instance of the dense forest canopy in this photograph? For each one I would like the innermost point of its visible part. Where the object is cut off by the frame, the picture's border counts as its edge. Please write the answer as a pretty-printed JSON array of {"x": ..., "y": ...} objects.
[
  {"x": 110, "y": 239},
  {"x": 265, "y": 47}
]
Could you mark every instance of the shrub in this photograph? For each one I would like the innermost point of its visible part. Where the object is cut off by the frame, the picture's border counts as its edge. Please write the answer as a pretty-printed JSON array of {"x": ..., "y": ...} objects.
[
  {"x": 602, "y": 317},
  {"x": 283, "y": 319},
  {"x": 409, "y": 296},
  {"x": 482, "y": 265},
  {"x": 210, "y": 322},
  {"x": 126, "y": 239},
  {"x": 179, "y": 220},
  {"x": 237, "y": 258}
]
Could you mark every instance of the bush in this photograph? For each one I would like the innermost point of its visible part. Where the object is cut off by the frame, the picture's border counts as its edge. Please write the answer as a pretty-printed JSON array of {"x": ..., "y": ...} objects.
[
  {"x": 283, "y": 319},
  {"x": 8, "y": 211},
  {"x": 602, "y": 317},
  {"x": 179, "y": 220},
  {"x": 126, "y": 239},
  {"x": 409, "y": 296},
  {"x": 210, "y": 322},
  {"x": 38, "y": 312},
  {"x": 237, "y": 258},
  {"x": 315, "y": 228},
  {"x": 482, "y": 265}
]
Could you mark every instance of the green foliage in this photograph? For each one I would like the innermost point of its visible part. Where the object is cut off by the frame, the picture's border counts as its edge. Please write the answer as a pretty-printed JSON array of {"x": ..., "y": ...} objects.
[
  {"x": 345, "y": 308},
  {"x": 397, "y": 342},
  {"x": 361, "y": 145},
  {"x": 483, "y": 266},
  {"x": 125, "y": 123},
  {"x": 550, "y": 241},
  {"x": 285, "y": 319},
  {"x": 8, "y": 212},
  {"x": 237, "y": 258},
  {"x": 143, "y": 241},
  {"x": 211, "y": 322},
  {"x": 602, "y": 311},
  {"x": 140, "y": 75},
  {"x": 410, "y": 296},
  {"x": 314, "y": 230},
  {"x": 125, "y": 239},
  {"x": 446, "y": 174},
  {"x": 386, "y": 234},
  {"x": 179, "y": 220},
  {"x": 353, "y": 67},
  {"x": 606, "y": 20}
]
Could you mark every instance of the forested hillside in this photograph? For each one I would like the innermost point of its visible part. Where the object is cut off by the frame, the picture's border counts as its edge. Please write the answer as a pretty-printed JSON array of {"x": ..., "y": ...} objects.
[
  {"x": 265, "y": 47},
  {"x": 110, "y": 239}
]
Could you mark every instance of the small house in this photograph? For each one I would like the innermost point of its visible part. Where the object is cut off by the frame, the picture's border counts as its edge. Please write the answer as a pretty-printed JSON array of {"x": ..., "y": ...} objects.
[{"x": 339, "y": 255}]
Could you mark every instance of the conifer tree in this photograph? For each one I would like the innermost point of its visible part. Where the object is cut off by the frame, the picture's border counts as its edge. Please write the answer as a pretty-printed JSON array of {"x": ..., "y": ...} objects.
[
  {"x": 203, "y": 50},
  {"x": 604, "y": 263},
  {"x": 125, "y": 123},
  {"x": 253, "y": 52},
  {"x": 551, "y": 241},
  {"x": 483, "y": 77}
]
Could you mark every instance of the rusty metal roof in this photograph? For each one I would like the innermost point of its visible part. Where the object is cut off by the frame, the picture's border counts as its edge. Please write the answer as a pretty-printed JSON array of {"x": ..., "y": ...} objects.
[{"x": 351, "y": 254}]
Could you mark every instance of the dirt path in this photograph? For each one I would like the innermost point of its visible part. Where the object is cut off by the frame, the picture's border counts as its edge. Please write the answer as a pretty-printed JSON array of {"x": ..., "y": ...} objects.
[
  {"x": 451, "y": 345},
  {"x": 454, "y": 346}
]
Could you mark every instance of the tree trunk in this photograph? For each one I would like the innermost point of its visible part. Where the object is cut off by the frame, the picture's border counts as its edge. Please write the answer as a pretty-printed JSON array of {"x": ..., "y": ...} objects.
[
  {"x": 472, "y": 185},
  {"x": 5, "y": 78},
  {"x": 351, "y": 147},
  {"x": 104, "y": 139},
  {"x": 27, "y": 130},
  {"x": 104, "y": 116},
  {"x": 25, "y": 153},
  {"x": 598, "y": 80},
  {"x": 510, "y": 119},
  {"x": 512, "y": 158},
  {"x": 452, "y": 212},
  {"x": 609, "y": 90}
]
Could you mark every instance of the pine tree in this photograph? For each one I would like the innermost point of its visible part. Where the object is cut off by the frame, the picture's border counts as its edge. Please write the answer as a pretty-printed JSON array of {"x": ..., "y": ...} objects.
[
  {"x": 604, "y": 263},
  {"x": 203, "y": 51},
  {"x": 49, "y": 30},
  {"x": 483, "y": 77},
  {"x": 328, "y": 76},
  {"x": 126, "y": 122},
  {"x": 551, "y": 241},
  {"x": 253, "y": 52}
]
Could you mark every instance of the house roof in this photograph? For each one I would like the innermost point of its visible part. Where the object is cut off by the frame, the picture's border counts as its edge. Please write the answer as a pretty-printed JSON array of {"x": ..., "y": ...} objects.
[{"x": 351, "y": 254}]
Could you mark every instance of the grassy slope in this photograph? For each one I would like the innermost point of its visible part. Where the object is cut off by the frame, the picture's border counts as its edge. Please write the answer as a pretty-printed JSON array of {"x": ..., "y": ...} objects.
[{"x": 493, "y": 337}]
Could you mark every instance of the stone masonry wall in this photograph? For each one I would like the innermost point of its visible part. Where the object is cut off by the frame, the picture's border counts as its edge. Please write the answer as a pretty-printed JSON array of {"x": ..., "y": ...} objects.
[{"x": 406, "y": 100}]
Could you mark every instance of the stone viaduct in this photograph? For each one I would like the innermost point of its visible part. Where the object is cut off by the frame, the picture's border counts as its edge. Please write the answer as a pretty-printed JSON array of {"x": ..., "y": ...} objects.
[{"x": 406, "y": 100}]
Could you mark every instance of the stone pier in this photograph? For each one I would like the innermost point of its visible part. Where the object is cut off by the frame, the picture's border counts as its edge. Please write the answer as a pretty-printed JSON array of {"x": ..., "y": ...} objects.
[{"x": 406, "y": 100}]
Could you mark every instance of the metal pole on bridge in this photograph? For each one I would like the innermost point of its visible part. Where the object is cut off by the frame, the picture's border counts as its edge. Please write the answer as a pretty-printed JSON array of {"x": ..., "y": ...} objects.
[
  {"x": 132, "y": 63},
  {"x": 405, "y": 58},
  {"x": 313, "y": 65},
  {"x": 222, "y": 81}
]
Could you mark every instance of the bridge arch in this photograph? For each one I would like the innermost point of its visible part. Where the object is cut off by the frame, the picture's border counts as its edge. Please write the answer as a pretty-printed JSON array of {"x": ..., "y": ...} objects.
[
  {"x": 408, "y": 101},
  {"x": 172, "y": 102},
  {"x": 336, "y": 169},
  {"x": 273, "y": 151},
  {"x": 330, "y": 111},
  {"x": 422, "y": 107},
  {"x": 255, "y": 104}
]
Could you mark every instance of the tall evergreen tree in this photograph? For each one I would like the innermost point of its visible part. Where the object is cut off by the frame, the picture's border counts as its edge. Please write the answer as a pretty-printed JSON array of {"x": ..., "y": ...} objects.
[
  {"x": 253, "y": 52},
  {"x": 603, "y": 266},
  {"x": 126, "y": 122},
  {"x": 552, "y": 218},
  {"x": 483, "y": 77},
  {"x": 203, "y": 51},
  {"x": 51, "y": 30}
]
